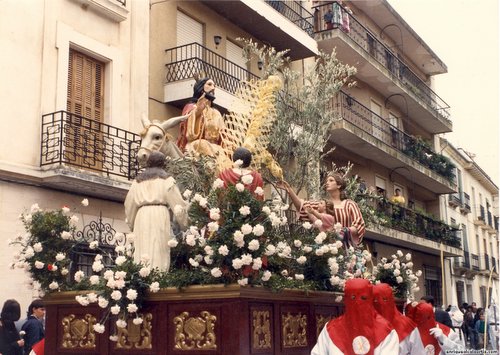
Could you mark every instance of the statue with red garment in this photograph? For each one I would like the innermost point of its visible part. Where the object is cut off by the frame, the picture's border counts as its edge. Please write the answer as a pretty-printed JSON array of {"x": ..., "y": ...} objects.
[{"x": 240, "y": 173}]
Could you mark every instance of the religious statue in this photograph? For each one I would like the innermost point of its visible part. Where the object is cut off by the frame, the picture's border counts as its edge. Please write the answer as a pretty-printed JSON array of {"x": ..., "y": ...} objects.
[{"x": 151, "y": 197}]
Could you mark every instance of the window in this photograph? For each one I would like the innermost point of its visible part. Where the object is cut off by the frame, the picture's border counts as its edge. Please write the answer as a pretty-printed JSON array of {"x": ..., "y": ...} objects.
[
  {"x": 394, "y": 127},
  {"x": 85, "y": 102},
  {"x": 433, "y": 285},
  {"x": 377, "y": 128},
  {"x": 482, "y": 293},
  {"x": 234, "y": 54},
  {"x": 464, "y": 238},
  {"x": 380, "y": 186},
  {"x": 188, "y": 30},
  {"x": 371, "y": 44},
  {"x": 460, "y": 292}
]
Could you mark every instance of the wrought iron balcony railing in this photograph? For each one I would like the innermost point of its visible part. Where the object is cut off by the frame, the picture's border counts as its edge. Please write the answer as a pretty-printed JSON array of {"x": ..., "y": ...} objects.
[
  {"x": 70, "y": 139},
  {"x": 463, "y": 262},
  {"x": 415, "y": 223},
  {"x": 466, "y": 202},
  {"x": 485, "y": 263},
  {"x": 185, "y": 62},
  {"x": 490, "y": 218},
  {"x": 454, "y": 199},
  {"x": 368, "y": 121},
  {"x": 122, "y": 2},
  {"x": 475, "y": 262},
  {"x": 295, "y": 12},
  {"x": 482, "y": 214},
  {"x": 494, "y": 264},
  {"x": 400, "y": 72}
]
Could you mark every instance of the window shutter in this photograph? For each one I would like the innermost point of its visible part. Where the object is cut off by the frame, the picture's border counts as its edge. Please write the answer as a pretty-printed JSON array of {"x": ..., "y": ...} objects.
[
  {"x": 188, "y": 30},
  {"x": 234, "y": 53}
]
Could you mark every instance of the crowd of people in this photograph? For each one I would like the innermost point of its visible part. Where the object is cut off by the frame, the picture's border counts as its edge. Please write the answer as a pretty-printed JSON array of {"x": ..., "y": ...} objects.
[{"x": 22, "y": 337}]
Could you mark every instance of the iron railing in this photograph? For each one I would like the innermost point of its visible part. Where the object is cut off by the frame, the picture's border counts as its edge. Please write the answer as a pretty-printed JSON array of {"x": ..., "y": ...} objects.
[
  {"x": 454, "y": 199},
  {"x": 188, "y": 61},
  {"x": 82, "y": 256},
  {"x": 364, "y": 38},
  {"x": 368, "y": 121},
  {"x": 70, "y": 139},
  {"x": 490, "y": 218},
  {"x": 466, "y": 202},
  {"x": 295, "y": 12},
  {"x": 496, "y": 222},
  {"x": 122, "y": 2},
  {"x": 415, "y": 223},
  {"x": 482, "y": 214},
  {"x": 485, "y": 265},
  {"x": 475, "y": 262},
  {"x": 463, "y": 261}
]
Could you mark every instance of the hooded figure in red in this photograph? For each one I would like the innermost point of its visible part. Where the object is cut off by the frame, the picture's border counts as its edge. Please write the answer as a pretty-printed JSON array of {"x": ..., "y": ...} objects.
[
  {"x": 436, "y": 338},
  {"x": 409, "y": 338},
  {"x": 360, "y": 330}
]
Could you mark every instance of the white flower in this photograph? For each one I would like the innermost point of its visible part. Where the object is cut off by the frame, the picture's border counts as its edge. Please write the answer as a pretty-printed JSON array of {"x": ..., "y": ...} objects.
[
  {"x": 60, "y": 256},
  {"x": 223, "y": 250},
  {"x": 284, "y": 272},
  {"x": 266, "y": 210},
  {"x": 240, "y": 187},
  {"x": 64, "y": 271},
  {"x": 130, "y": 238},
  {"x": 120, "y": 260},
  {"x": 73, "y": 220},
  {"x": 320, "y": 238},
  {"x": 178, "y": 210},
  {"x": 257, "y": 264},
  {"x": 270, "y": 250},
  {"x": 399, "y": 253},
  {"x": 218, "y": 183},
  {"x": 108, "y": 274},
  {"x": 246, "y": 259},
  {"x": 187, "y": 194},
  {"x": 115, "y": 309},
  {"x": 244, "y": 210},
  {"x": 301, "y": 260},
  {"x": 247, "y": 179},
  {"x": 65, "y": 210},
  {"x": 113, "y": 338},
  {"x": 319, "y": 252},
  {"x": 307, "y": 249},
  {"x": 266, "y": 275},
  {"x": 318, "y": 223},
  {"x": 208, "y": 260},
  {"x": 137, "y": 321},
  {"x": 82, "y": 300},
  {"x": 79, "y": 275},
  {"x": 94, "y": 244},
  {"x": 418, "y": 273},
  {"x": 399, "y": 279},
  {"x": 98, "y": 328},
  {"x": 408, "y": 257},
  {"x": 259, "y": 191},
  {"x": 120, "y": 323},
  {"x": 131, "y": 294},
  {"x": 237, "y": 263},
  {"x": 102, "y": 302},
  {"x": 216, "y": 272},
  {"x": 53, "y": 285},
  {"x": 338, "y": 299},
  {"x": 397, "y": 272},
  {"x": 193, "y": 262},
  {"x": 144, "y": 271},
  {"x": 307, "y": 225},
  {"x": 132, "y": 307},
  {"x": 409, "y": 265},
  {"x": 213, "y": 226},
  {"x": 97, "y": 266},
  {"x": 172, "y": 243},
  {"x": 116, "y": 295},
  {"x": 37, "y": 247},
  {"x": 154, "y": 287},
  {"x": 85, "y": 202},
  {"x": 190, "y": 240},
  {"x": 299, "y": 277},
  {"x": 238, "y": 163},
  {"x": 243, "y": 282},
  {"x": 65, "y": 235},
  {"x": 34, "y": 208},
  {"x": 297, "y": 243},
  {"x": 337, "y": 227},
  {"x": 203, "y": 202},
  {"x": 92, "y": 297},
  {"x": 253, "y": 244},
  {"x": 246, "y": 229},
  {"x": 258, "y": 230},
  {"x": 215, "y": 214},
  {"x": 39, "y": 264}
]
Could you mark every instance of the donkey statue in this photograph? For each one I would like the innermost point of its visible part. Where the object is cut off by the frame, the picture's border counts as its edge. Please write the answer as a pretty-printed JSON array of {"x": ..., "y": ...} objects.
[{"x": 156, "y": 138}]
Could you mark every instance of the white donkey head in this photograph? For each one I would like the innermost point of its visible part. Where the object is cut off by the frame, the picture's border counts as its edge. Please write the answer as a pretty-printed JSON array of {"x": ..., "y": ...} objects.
[{"x": 155, "y": 137}]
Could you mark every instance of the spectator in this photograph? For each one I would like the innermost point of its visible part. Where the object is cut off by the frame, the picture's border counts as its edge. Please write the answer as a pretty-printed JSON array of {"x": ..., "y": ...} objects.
[
  {"x": 10, "y": 341},
  {"x": 441, "y": 316},
  {"x": 398, "y": 198},
  {"x": 482, "y": 328},
  {"x": 328, "y": 17},
  {"x": 471, "y": 329},
  {"x": 33, "y": 326}
]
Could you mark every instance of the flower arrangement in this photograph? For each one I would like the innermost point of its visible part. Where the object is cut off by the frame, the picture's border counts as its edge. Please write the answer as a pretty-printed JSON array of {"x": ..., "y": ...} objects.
[{"x": 398, "y": 273}]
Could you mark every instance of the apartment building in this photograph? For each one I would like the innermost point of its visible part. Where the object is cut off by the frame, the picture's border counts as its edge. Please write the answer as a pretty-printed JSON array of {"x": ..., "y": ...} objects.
[
  {"x": 75, "y": 84},
  {"x": 474, "y": 210}
]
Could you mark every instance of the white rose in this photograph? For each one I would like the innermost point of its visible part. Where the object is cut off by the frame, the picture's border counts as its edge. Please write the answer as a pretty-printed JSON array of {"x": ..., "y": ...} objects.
[
  {"x": 154, "y": 287},
  {"x": 108, "y": 274},
  {"x": 258, "y": 230},
  {"x": 216, "y": 272},
  {"x": 82, "y": 300},
  {"x": 98, "y": 328},
  {"x": 270, "y": 250},
  {"x": 299, "y": 277},
  {"x": 73, "y": 220},
  {"x": 92, "y": 297},
  {"x": 257, "y": 264},
  {"x": 193, "y": 262},
  {"x": 266, "y": 275},
  {"x": 266, "y": 210},
  {"x": 399, "y": 279},
  {"x": 213, "y": 226},
  {"x": 131, "y": 294},
  {"x": 144, "y": 271},
  {"x": 246, "y": 259},
  {"x": 65, "y": 210},
  {"x": 307, "y": 249},
  {"x": 39, "y": 265},
  {"x": 418, "y": 273},
  {"x": 240, "y": 187},
  {"x": 65, "y": 235},
  {"x": 244, "y": 210},
  {"x": 97, "y": 266},
  {"x": 297, "y": 243},
  {"x": 307, "y": 225},
  {"x": 223, "y": 250},
  {"x": 187, "y": 194},
  {"x": 320, "y": 238},
  {"x": 60, "y": 256},
  {"x": 247, "y": 179},
  {"x": 397, "y": 272},
  {"x": 35, "y": 208},
  {"x": 203, "y": 202},
  {"x": 238, "y": 163},
  {"x": 115, "y": 309},
  {"x": 246, "y": 229},
  {"x": 53, "y": 285},
  {"x": 137, "y": 321},
  {"x": 215, "y": 214},
  {"x": 301, "y": 260},
  {"x": 237, "y": 263},
  {"x": 113, "y": 338},
  {"x": 172, "y": 243},
  {"x": 259, "y": 191},
  {"x": 190, "y": 240},
  {"x": 408, "y": 257},
  {"x": 337, "y": 227},
  {"x": 132, "y": 308},
  {"x": 94, "y": 244},
  {"x": 218, "y": 184},
  {"x": 79, "y": 275},
  {"x": 399, "y": 253},
  {"x": 102, "y": 302},
  {"x": 120, "y": 323},
  {"x": 254, "y": 244},
  {"x": 85, "y": 202},
  {"x": 37, "y": 247},
  {"x": 120, "y": 260},
  {"x": 116, "y": 295},
  {"x": 64, "y": 271},
  {"x": 243, "y": 282}
]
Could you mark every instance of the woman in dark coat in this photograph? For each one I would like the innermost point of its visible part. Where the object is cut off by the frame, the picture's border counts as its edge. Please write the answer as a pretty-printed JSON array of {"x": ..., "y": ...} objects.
[{"x": 10, "y": 341}]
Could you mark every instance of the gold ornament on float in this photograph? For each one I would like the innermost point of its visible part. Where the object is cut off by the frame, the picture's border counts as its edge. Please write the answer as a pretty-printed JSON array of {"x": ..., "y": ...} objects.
[
  {"x": 78, "y": 332},
  {"x": 195, "y": 332}
]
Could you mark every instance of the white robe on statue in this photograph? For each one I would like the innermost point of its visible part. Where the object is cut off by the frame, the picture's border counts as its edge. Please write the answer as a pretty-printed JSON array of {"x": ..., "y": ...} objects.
[{"x": 147, "y": 207}]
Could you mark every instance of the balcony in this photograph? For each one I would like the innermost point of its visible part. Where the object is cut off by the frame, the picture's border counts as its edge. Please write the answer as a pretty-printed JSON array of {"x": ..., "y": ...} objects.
[
  {"x": 454, "y": 200},
  {"x": 372, "y": 137},
  {"x": 282, "y": 24},
  {"x": 381, "y": 68},
  {"x": 495, "y": 218},
  {"x": 462, "y": 262},
  {"x": 485, "y": 262},
  {"x": 413, "y": 230},
  {"x": 86, "y": 156},
  {"x": 490, "y": 219},
  {"x": 465, "y": 208},
  {"x": 185, "y": 62}
]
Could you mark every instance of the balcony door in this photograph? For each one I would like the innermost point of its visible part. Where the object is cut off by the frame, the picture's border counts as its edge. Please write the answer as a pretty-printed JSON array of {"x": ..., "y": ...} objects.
[
  {"x": 85, "y": 103},
  {"x": 189, "y": 31},
  {"x": 377, "y": 121},
  {"x": 234, "y": 54}
]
